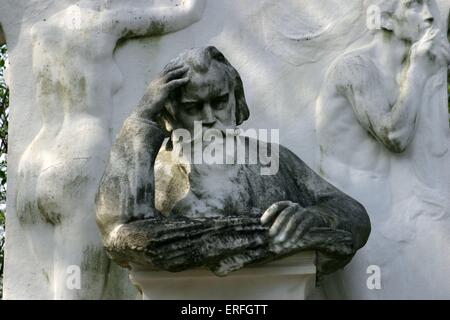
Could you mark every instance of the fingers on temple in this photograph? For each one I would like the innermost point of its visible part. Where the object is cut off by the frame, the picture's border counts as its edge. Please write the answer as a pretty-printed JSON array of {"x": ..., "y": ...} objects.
[
  {"x": 176, "y": 73},
  {"x": 177, "y": 83},
  {"x": 172, "y": 65},
  {"x": 273, "y": 211}
]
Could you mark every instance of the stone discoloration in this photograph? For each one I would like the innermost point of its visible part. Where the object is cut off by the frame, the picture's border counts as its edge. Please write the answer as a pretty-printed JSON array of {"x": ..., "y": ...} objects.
[
  {"x": 75, "y": 77},
  {"x": 371, "y": 99}
]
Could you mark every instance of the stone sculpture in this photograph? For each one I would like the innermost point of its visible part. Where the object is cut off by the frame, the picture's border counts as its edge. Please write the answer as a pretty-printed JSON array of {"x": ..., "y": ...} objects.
[
  {"x": 284, "y": 51},
  {"x": 375, "y": 91},
  {"x": 221, "y": 215},
  {"x": 75, "y": 78},
  {"x": 383, "y": 135}
]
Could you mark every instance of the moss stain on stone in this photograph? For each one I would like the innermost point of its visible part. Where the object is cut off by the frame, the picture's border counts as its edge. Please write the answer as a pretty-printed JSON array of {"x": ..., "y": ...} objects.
[
  {"x": 77, "y": 184},
  {"x": 94, "y": 267},
  {"x": 46, "y": 275}
]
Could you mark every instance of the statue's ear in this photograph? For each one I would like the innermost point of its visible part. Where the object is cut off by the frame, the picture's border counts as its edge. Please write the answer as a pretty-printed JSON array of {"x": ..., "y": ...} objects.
[
  {"x": 242, "y": 111},
  {"x": 387, "y": 21}
]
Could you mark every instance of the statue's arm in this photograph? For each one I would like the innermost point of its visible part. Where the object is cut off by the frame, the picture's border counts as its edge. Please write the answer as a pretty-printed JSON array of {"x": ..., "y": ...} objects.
[
  {"x": 126, "y": 192},
  {"x": 392, "y": 123},
  {"x": 132, "y": 229},
  {"x": 340, "y": 211},
  {"x": 125, "y": 199},
  {"x": 323, "y": 219},
  {"x": 346, "y": 223},
  {"x": 128, "y": 22}
]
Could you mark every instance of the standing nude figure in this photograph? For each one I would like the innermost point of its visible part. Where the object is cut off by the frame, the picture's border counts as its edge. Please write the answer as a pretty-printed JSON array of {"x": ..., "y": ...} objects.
[{"x": 76, "y": 77}]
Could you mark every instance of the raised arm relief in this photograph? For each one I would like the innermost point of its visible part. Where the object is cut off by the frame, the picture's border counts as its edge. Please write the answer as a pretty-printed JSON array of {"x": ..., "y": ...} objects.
[
  {"x": 383, "y": 83},
  {"x": 138, "y": 22}
]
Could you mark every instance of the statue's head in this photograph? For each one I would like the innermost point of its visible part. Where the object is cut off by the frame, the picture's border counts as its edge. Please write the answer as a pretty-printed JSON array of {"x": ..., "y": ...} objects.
[
  {"x": 214, "y": 94},
  {"x": 406, "y": 19}
]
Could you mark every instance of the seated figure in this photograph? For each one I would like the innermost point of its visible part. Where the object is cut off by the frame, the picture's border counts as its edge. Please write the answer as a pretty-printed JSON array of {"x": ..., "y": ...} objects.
[{"x": 158, "y": 210}]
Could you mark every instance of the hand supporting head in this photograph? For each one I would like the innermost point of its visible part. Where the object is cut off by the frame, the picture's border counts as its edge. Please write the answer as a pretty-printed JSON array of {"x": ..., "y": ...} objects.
[
  {"x": 407, "y": 19},
  {"x": 214, "y": 93}
]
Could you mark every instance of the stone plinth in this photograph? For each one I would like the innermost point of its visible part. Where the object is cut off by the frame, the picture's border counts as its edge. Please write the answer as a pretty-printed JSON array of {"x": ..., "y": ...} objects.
[{"x": 292, "y": 278}]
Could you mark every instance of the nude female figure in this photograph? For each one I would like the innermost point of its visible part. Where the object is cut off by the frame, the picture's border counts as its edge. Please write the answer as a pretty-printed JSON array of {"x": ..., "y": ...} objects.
[{"x": 76, "y": 78}]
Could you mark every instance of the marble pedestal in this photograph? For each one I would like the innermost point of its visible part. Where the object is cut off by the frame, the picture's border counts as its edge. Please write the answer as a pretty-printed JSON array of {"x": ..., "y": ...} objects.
[{"x": 292, "y": 278}]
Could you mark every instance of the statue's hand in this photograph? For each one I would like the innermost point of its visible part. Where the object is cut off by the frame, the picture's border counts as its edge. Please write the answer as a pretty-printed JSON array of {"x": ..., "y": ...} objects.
[
  {"x": 172, "y": 77},
  {"x": 289, "y": 222},
  {"x": 432, "y": 50},
  {"x": 294, "y": 228}
]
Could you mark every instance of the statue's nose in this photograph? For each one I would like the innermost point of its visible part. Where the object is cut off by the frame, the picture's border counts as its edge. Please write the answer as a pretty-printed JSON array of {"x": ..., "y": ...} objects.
[
  {"x": 208, "y": 117},
  {"x": 428, "y": 16}
]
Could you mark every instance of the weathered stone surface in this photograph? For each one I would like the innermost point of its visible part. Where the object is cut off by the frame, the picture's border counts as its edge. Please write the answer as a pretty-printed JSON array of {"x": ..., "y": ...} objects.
[
  {"x": 283, "y": 50},
  {"x": 276, "y": 214},
  {"x": 290, "y": 278},
  {"x": 74, "y": 77},
  {"x": 221, "y": 244},
  {"x": 383, "y": 134}
]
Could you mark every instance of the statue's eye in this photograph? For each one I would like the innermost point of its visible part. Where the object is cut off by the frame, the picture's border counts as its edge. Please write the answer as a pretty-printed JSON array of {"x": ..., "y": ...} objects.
[
  {"x": 220, "y": 102},
  {"x": 191, "y": 108}
]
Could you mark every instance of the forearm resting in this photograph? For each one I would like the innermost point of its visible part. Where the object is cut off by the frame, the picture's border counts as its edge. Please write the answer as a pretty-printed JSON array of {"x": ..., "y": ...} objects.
[{"x": 181, "y": 244}]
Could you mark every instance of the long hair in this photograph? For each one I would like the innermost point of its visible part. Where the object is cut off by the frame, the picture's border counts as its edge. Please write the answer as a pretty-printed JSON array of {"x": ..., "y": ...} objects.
[{"x": 242, "y": 111}]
